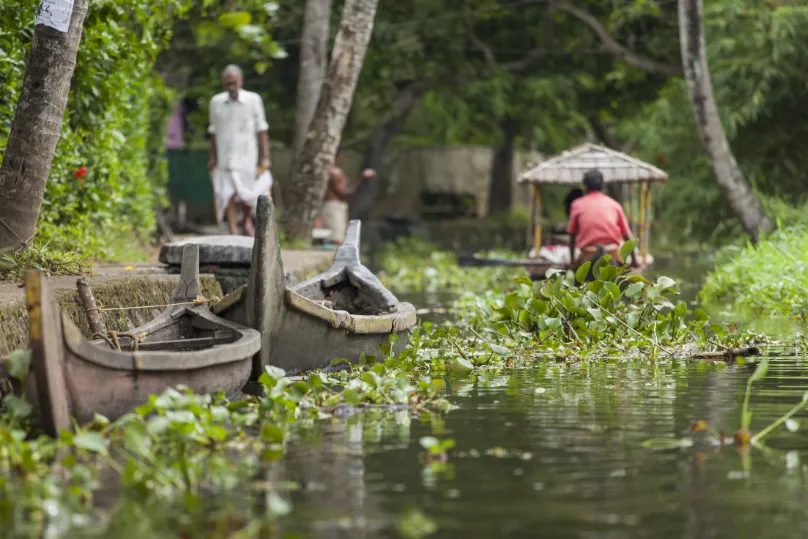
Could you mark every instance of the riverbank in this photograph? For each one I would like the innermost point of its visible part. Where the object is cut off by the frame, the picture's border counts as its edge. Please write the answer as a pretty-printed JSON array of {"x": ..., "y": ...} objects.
[
  {"x": 116, "y": 286},
  {"x": 763, "y": 280}
]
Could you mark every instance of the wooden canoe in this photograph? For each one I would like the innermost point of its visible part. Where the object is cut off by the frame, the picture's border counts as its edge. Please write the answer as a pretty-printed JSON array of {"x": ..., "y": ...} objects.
[
  {"x": 342, "y": 313},
  {"x": 73, "y": 377},
  {"x": 536, "y": 268}
]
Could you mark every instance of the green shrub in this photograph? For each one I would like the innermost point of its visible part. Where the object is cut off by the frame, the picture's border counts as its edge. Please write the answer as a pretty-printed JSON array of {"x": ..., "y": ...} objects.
[
  {"x": 768, "y": 278},
  {"x": 116, "y": 104}
]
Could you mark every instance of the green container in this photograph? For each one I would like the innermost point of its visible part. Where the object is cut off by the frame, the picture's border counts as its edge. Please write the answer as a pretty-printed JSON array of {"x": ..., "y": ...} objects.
[{"x": 189, "y": 181}]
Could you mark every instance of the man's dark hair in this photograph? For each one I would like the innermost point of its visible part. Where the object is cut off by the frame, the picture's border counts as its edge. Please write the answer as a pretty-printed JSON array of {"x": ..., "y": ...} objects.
[{"x": 593, "y": 180}]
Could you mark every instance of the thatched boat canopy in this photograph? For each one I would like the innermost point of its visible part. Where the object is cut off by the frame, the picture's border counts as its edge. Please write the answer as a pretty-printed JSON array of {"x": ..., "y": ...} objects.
[{"x": 569, "y": 168}]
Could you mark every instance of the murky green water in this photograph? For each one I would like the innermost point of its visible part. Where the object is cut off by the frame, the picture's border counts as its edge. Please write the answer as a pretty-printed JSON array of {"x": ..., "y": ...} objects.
[
  {"x": 556, "y": 451},
  {"x": 568, "y": 462}
]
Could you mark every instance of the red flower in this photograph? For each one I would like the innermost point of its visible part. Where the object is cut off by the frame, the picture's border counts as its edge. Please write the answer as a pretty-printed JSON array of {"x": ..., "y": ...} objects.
[{"x": 80, "y": 173}]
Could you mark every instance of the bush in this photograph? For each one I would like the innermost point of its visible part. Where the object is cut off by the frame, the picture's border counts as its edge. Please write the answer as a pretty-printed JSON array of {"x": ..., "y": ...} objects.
[
  {"x": 768, "y": 278},
  {"x": 116, "y": 103}
]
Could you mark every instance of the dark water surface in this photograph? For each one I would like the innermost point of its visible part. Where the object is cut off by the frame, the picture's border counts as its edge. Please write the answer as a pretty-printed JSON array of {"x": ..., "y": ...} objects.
[{"x": 555, "y": 451}]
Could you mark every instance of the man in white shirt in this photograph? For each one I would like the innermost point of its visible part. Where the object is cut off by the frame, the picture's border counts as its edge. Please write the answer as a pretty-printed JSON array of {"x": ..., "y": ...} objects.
[{"x": 237, "y": 122}]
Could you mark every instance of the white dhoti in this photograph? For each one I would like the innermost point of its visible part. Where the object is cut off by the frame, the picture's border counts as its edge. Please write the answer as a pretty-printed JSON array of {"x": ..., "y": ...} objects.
[
  {"x": 335, "y": 218},
  {"x": 240, "y": 183}
]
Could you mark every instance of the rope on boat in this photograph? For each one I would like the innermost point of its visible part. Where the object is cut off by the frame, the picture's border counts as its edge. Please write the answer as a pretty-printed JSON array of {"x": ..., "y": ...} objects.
[
  {"x": 112, "y": 339},
  {"x": 198, "y": 301}
]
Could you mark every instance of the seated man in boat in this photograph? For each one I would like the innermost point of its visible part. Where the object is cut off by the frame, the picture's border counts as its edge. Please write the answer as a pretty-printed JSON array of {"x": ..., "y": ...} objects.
[{"x": 597, "y": 221}]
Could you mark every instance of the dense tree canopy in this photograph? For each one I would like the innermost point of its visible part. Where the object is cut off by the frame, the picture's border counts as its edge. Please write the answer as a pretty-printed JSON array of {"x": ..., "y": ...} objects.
[{"x": 515, "y": 74}]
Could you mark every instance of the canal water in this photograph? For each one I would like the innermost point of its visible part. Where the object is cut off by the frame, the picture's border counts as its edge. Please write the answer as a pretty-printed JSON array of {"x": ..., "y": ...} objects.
[{"x": 556, "y": 451}]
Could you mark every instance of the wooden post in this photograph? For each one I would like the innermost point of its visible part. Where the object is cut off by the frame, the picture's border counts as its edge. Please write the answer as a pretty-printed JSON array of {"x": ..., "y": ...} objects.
[
  {"x": 647, "y": 234},
  {"x": 537, "y": 218},
  {"x": 641, "y": 235},
  {"x": 90, "y": 308},
  {"x": 630, "y": 205}
]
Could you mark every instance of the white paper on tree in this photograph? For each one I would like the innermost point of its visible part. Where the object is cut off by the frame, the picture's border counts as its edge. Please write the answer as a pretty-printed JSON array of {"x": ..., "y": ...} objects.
[{"x": 55, "y": 13}]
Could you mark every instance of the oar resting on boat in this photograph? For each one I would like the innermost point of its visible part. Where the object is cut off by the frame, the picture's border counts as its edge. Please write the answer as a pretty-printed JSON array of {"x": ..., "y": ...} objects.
[
  {"x": 342, "y": 313},
  {"x": 185, "y": 345}
]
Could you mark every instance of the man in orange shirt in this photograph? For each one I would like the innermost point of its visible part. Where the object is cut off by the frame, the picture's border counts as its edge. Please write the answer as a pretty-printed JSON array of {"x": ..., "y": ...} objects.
[{"x": 597, "y": 221}]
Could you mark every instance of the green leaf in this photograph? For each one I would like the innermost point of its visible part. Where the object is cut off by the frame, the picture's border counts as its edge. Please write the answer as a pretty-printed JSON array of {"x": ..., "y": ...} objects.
[
  {"x": 429, "y": 442},
  {"x": 701, "y": 315},
  {"x": 272, "y": 434},
  {"x": 664, "y": 283},
  {"x": 627, "y": 248},
  {"x": 19, "y": 364},
  {"x": 499, "y": 350},
  {"x": 634, "y": 290},
  {"x": 582, "y": 271},
  {"x": 235, "y": 19},
  {"x": 275, "y": 372},
  {"x": 91, "y": 441},
  {"x": 613, "y": 289},
  {"x": 524, "y": 280},
  {"x": 18, "y": 407},
  {"x": 460, "y": 366},
  {"x": 136, "y": 440}
]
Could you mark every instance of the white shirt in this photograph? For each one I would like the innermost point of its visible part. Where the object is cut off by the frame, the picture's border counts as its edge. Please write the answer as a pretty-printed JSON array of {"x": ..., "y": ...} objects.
[{"x": 236, "y": 124}]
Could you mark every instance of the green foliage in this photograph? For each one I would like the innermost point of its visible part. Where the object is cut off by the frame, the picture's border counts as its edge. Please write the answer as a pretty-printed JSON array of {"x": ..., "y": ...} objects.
[
  {"x": 757, "y": 61},
  {"x": 116, "y": 103},
  {"x": 764, "y": 279}
]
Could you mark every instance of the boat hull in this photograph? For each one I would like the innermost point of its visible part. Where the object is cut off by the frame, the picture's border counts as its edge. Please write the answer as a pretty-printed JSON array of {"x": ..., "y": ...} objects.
[
  {"x": 73, "y": 378},
  {"x": 343, "y": 313}
]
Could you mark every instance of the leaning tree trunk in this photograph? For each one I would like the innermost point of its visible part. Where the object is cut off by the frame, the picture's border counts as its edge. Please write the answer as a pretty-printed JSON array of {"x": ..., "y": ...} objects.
[
  {"x": 742, "y": 199},
  {"x": 500, "y": 190},
  {"x": 390, "y": 126},
  {"x": 36, "y": 128},
  {"x": 311, "y": 165},
  {"x": 313, "y": 63}
]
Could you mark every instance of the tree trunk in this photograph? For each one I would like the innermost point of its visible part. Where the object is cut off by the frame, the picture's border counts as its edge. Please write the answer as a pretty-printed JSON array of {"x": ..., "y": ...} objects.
[
  {"x": 742, "y": 199},
  {"x": 500, "y": 191},
  {"x": 311, "y": 165},
  {"x": 383, "y": 133},
  {"x": 313, "y": 63},
  {"x": 36, "y": 128}
]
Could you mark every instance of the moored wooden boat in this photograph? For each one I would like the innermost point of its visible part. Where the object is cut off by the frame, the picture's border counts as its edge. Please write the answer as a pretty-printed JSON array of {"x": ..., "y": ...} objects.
[
  {"x": 342, "y": 313},
  {"x": 73, "y": 377}
]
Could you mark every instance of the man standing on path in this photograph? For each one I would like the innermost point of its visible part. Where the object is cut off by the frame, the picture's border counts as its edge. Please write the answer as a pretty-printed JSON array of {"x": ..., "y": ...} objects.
[
  {"x": 597, "y": 221},
  {"x": 237, "y": 121},
  {"x": 335, "y": 208}
]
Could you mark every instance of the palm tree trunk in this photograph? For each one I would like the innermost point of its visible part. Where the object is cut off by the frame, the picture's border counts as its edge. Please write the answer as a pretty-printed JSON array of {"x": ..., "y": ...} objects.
[
  {"x": 312, "y": 163},
  {"x": 36, "y": 128},
  {"x": 313, "y": 64},
  {"x": 742, "y": 199}
]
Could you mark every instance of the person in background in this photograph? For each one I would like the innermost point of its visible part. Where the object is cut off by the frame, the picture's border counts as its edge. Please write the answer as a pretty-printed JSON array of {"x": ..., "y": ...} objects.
[
  {"x": 240, "y": 174},
  {"x": 335, "y": 208},
  {"x": 597, "y": 221},
  {"x": 571, "y": 197}
]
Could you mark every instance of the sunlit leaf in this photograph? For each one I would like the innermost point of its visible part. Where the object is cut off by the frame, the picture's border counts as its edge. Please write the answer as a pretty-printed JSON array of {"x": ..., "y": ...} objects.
[
  {"x": 627, "y": 248},
  {"x": 92, "y": 441},
  {"x": 582, "y": 271}
]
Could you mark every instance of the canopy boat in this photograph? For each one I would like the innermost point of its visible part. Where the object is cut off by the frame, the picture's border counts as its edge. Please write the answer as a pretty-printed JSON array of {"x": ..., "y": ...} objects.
[
  {"x": 185, "y": 345},
  {"x": 344, "y": 312},
  {"x": 634, "y": 178}
]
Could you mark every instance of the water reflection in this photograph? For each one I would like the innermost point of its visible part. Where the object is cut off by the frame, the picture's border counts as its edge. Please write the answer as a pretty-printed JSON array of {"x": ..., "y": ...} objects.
[{"x": 566, "y": 461}]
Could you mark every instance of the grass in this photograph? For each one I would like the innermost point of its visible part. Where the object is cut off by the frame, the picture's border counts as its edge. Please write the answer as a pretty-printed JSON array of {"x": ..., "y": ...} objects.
[
  {"x": 44, "y": 259},
  {"x": 769, "y": 278}
]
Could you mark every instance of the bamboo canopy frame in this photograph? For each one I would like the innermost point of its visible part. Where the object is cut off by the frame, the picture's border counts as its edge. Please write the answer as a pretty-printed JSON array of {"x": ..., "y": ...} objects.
[{"x": 617, "y": 168}]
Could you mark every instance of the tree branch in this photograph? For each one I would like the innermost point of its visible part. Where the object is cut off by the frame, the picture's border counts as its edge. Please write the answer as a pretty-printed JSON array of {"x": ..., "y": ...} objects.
[
  {"x": 488, "y": 54},
  {"x": 611, "y": 46}
]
